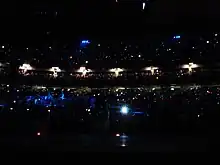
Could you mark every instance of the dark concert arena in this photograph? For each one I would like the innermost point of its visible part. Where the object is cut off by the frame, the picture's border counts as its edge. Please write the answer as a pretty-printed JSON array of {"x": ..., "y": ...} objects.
[{"x": 111, "y": 75}]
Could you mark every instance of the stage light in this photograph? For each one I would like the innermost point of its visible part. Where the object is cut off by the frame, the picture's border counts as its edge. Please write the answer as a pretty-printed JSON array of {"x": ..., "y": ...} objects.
[
  {"x": 85, "y": 42},
  {"x": 124, "y": 110},
  {"x": 190, "y": 67},
  {"x": 116, "y": 71},
  {"x": 25, "y": 68},
  {"x": 55, "y": 70},
  {"x": 152, "y": 69}
]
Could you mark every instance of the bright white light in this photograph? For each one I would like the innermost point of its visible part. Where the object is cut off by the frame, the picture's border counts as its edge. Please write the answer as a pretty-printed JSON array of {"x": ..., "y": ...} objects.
[
  {"x": 116, "y": 71},
  {"x": 152, "y": 69},
  {"x": 124, "y": 110},
  {"x": 26, "y": 67},
  {"x": 3, "y": 46},
  {"x": 143, "y": 6},
  {"x": 117, "y": 134},
  {"x": 38, "y": 134},
  {"x": 123, "y": 145},
  {"x": 190, "y": 66},
  {"x": 83, "y": 70},
  {"x": 55, "y": 70}
]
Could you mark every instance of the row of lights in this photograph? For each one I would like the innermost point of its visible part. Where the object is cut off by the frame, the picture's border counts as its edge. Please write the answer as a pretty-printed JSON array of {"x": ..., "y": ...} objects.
[{"x": 84, "y": 70}]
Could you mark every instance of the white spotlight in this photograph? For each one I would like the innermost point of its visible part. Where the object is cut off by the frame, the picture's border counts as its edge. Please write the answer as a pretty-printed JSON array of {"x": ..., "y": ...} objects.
[{"x": 124, "y": 110}]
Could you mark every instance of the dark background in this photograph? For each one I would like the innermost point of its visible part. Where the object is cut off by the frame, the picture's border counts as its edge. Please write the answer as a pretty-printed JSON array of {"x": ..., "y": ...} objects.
[{"x": 107, "y": 18}]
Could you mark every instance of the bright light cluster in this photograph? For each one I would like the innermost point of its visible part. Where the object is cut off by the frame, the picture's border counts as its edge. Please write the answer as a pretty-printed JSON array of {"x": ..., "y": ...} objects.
[
  {"x": 190, "y": 67},
  {"x": 55, "y": 70},
  {"x": 25, "y": 67},
  {"x": 152, "y": 69},
  {"x": 116, "y": 71},
  {"x": 83, "y": 70}
]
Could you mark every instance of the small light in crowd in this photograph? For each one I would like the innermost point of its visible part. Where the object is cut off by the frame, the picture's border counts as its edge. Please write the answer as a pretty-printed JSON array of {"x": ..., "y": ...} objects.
[
  {"x": 14, "y": 101},
  {"x": 38, "y": 134},
  {"x": 117, "y": 134},
  {"x": 11, "y": 108},
  {"x": 3, "y": 46},
  {"x": 48, "y": 110},
  {"x": 27, "y": 109},
  {"x": 123, "y": 145}
]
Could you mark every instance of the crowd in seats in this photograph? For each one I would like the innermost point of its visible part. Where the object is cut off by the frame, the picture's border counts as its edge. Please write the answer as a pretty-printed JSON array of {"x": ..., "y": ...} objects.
[{"x": 192, "y": 109}]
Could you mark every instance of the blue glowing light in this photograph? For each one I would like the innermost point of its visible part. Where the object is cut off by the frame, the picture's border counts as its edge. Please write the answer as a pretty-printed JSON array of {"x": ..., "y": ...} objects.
[
  {"x": 47, "y": 100},
  {"x": 140, "y": 113},
  {"x": 176, "y": 37},
  {"x": 124, "y": 110},
  {"x": 85, "y": 42}
]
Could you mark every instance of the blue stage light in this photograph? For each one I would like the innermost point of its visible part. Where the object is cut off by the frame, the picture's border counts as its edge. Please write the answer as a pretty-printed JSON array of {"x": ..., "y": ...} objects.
[{"x": 124, "y": 110}]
